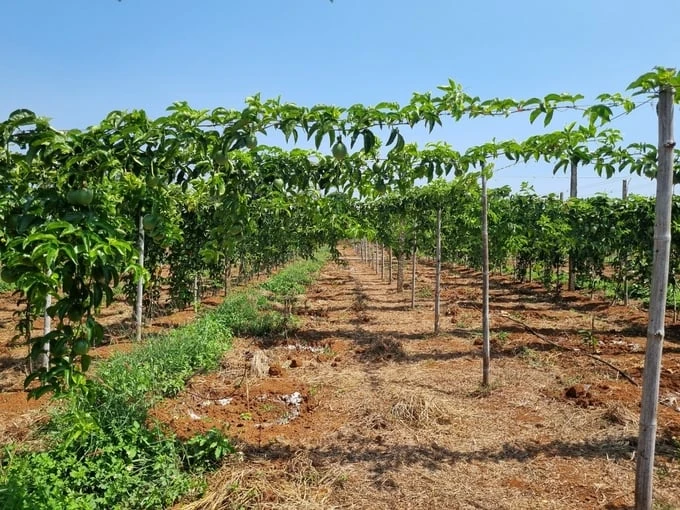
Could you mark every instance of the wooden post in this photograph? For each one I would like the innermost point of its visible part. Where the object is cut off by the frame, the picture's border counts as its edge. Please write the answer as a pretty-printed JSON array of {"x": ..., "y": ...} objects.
[
  {"x": 413, "y": 275},
  {"x": 140, "y": 282},
  {"x": 376, "y": 258},
  {"x": 438, "y": 272},
  {"x": 196, "y": 296},
  {"x": 401, "y": 262},
  {"x": 572, "y": 194},
  {"x": 624, "y": 196},
  {"x": 657, "y": 303},
  {"x": 382, "y": 262},
  {"x": 486, "y": 342},
  {"x": 389, "y": 269},
  {"x": 43, "y": 358}
]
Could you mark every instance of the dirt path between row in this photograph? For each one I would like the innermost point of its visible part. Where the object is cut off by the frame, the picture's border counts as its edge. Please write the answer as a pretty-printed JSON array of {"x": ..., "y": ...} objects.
[{"x": 364, "y": 408}]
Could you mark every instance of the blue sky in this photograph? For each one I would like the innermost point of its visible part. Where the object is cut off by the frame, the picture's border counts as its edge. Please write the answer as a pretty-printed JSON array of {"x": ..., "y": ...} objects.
[{"x": 76, "y": 60}]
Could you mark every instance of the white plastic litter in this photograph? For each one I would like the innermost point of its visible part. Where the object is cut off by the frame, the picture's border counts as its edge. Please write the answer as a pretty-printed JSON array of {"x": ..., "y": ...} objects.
[{"x": 294, "y": 399}]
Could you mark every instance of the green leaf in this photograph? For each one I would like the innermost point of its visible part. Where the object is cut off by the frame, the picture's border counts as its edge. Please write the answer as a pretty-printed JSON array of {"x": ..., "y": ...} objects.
[
  {"x": 393, "y": 136},
  {"x": 534, "y": 115},
  {"x": 548, "y": 117}
]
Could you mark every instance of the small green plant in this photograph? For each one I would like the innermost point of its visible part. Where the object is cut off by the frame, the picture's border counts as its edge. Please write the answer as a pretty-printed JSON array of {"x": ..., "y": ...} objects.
[
  {"x": 267, "y": 408},
  {"x": 502, "y": 338},
  {"x": 588, "y": 335},
  {"x": 424, "y": 292},
  {"x": 589, "y": 339},
  {"x": 484, "y": 390},
  {"x": 246, "y": 416},
  {"x": 530, "y": 356},
  {"x": 207, "y": 450}
]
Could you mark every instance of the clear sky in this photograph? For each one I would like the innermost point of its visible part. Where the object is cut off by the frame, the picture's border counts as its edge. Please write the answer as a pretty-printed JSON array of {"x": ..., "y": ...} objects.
[{"x": 76, "y": 60}]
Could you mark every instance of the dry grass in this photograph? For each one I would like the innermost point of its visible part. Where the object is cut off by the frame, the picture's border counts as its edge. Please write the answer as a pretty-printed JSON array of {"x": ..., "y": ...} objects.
[
  {"x": 297, "y": 484},
  {"x": 403, "y": 413},
  {"x": 621, "y": 415},
  {"x": 418, "y": 411}
]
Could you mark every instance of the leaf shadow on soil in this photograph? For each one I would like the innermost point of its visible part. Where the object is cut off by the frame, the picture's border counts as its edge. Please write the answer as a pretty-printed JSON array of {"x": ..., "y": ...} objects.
[{"x": 384, "y": 458}]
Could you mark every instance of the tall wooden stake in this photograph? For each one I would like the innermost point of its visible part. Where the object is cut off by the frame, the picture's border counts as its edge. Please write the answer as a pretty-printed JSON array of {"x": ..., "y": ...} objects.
[
  {"x": 573, "y": 192},
  {"x": 657, "y": 305},
  {"x": 624, "y": 196},
  {"x": 389, "y": 269},
  {"x": 376, "y": 257},
  {"x": 413, "y": 275},
  {"x": 382, "y": 262},
  {"x": 140, "y": 282},
  {"x": 438, "y": 272},
  {"x": 486, "y": 342},
  {"x": 43, "y": 358},
  {"x": 196, "y": 296}
]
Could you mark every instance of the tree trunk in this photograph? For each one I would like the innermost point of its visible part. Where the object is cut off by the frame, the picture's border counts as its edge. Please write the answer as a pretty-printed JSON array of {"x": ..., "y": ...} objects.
[
  {"x": 486, "y": 342},
  {"x": 140, "y": 282},
  {"x": 438, "y": 272},
  {"x": 657, "y": 304}
]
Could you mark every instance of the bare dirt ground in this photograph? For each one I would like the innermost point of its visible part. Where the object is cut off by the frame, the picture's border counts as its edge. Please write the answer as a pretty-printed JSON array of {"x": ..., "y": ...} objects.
[
  {"x": 363, "y": 407},
  {"x": 391, "y": 416}
]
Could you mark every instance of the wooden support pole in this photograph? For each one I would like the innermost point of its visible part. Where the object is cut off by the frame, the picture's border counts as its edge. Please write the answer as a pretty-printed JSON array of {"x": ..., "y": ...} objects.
[
  {"x": 573, "y": 192},
  {"x": 438, "y": 272},
  {"x": 644, "y": 470},
  {"x": 139, "y": 312},
  {"x": 486, "y": 342}
]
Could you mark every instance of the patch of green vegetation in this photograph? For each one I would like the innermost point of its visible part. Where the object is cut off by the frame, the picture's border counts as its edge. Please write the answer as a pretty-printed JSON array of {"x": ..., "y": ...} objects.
[
  {"x": 530, "y": 356},
  {"x": 102, "y": 449},
  {"x": 103, "y": 453},
  {"x": 292, "y": 280},
  {"x": 424, "y": 292}
]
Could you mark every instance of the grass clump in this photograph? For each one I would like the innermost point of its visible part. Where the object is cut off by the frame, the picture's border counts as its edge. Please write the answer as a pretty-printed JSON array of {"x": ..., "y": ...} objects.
[
  {"x": 292, "y": 280},
  {"x": 253, "y": 313}
]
